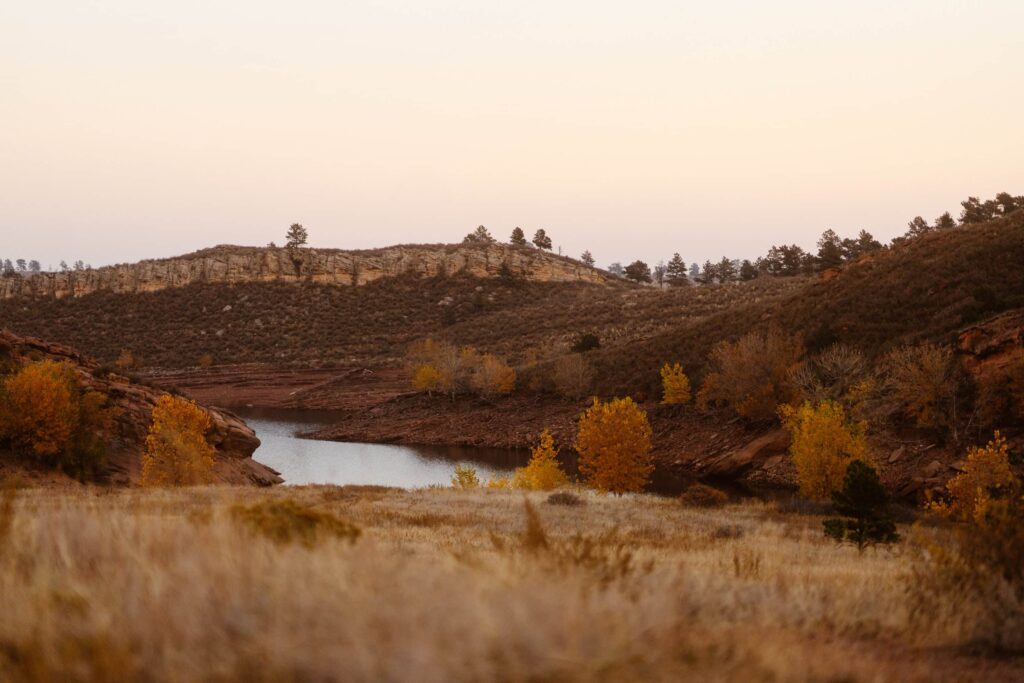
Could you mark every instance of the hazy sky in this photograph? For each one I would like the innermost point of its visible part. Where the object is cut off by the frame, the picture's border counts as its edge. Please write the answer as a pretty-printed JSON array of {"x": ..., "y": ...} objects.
[{"x": 135, "y": 129}]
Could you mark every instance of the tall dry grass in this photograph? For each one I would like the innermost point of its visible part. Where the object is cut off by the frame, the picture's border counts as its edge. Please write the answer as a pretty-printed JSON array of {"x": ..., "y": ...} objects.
[{"x": 443, "y": 585}]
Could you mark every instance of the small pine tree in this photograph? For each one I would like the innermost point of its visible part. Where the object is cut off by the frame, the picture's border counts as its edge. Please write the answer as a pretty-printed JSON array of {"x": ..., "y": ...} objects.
[
  {"x": 675, "y": 385},
  {"x": 638, "y": 271},
  {"x": 675, "y": 271},
  {"x": 541, "y": 239},
  {"x": 830, "y": 250},
  {"x": 296, "y": 236},
  {"x": 587, "y": 258},
  {"x": 518, "y": 238},
  {"x": 479, "y": 236},
  {"x": 748, "y": 271},
  {"x": 863, "y": 505}
]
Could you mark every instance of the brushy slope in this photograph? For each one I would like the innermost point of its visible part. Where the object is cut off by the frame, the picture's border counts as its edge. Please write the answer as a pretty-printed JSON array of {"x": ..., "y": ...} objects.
[{"x": 448, "y": 586}]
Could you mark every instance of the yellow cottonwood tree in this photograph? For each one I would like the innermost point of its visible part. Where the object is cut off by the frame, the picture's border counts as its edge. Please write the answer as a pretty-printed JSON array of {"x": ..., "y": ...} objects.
[
  {"x": 177, "y": 453},
  {"x": 675, "y": 385},
  {"x": 985, "y": 470},
  {"x": 543, "y": 471},
  {"x": 824, "y": 443},
  {"x": 614, "y": 443}
]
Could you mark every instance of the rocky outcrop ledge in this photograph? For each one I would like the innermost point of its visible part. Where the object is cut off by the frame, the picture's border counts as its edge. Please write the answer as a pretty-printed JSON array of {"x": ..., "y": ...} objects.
[
  {"x": 231, "y": 264},
  {"x": 233, "y": 440}
]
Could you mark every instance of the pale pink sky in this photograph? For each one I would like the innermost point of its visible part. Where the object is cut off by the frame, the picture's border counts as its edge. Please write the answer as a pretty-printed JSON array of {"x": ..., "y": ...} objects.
[{"x": 133, "y": 129}]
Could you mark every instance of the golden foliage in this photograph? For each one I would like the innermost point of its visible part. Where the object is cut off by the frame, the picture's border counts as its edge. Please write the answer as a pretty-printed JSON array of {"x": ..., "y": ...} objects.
[
  {"x": 614, "y": 444},
  {"x": 439, "y": 366},
  {"x": 675, "y": 385},
  {"x": 543, "y": 471},
  {"x": 751, "y": 375},
  {"x": 40, "y": 408},
  {"x": 177, "y": 453},
  {"x": 427, "y": 378},
  {"x": 986, "y": 470},
  {"x": 465, "y": 477},
  {"x": 824, "y": 443},
  {"x": 494, "y": 377}
]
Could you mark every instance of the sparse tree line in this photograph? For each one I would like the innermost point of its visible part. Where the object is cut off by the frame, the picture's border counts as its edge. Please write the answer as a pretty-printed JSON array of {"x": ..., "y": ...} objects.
[{"x": 20, "y": 266}]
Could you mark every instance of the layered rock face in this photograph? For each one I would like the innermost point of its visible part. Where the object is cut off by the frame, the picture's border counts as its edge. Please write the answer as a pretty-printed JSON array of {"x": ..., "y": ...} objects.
[
  {"x": 232, "y": 439},
  {"x": 230, "y": 264}
]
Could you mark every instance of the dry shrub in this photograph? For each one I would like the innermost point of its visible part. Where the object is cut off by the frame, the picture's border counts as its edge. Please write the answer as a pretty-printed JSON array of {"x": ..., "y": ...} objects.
[
  {"x": 831, "y": 375},
  {"x": 675, "y": 385},
  {"x": 1000, "y": 399},
  {"x": 921, "y": 384},
  {"x": 564, "y": 498},
  {"x": 39, "y": 411},
  {"x": 824, "y": 444},
  {"x": 572, "y": 376},
  {"x": 494, "y": 377},
  {"x": 177, "y": 453},
  {"x": 703, "y": 496},
  {"x": 286, "y": 521},
  {"x": 427, "y": 378},
  {"x": 751, "y": 375},
  {"x": 543, "y": 472},
  {"x": 614, "y": 445}
]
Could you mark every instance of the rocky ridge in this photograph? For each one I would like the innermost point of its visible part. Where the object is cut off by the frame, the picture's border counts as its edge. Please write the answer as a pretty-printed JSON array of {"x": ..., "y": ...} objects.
[{"x": 231, "y": 265}]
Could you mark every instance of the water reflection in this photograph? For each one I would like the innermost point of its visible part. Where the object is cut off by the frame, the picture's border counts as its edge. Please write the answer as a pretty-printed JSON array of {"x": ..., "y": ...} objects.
[{"x": 306, "y": 461}]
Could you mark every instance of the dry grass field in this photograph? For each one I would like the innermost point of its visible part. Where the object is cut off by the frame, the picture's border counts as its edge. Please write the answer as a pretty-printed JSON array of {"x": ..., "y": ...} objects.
[{"x": 372, "y": 584}]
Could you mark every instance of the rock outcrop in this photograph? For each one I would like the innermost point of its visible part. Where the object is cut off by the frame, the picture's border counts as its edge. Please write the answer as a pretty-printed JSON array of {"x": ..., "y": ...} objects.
[
  {"x": 993, "y": 345},
  {"x": 232, "y": 439},
  {"x": 230, "y": 264}
]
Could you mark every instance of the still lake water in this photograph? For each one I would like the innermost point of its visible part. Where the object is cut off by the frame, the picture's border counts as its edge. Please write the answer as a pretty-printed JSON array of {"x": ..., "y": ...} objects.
[{"x": 308, "y": 461}]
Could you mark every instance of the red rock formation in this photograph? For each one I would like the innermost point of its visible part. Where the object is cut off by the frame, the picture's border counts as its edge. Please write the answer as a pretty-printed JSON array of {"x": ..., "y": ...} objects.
[{"x": 232, "y": 439}]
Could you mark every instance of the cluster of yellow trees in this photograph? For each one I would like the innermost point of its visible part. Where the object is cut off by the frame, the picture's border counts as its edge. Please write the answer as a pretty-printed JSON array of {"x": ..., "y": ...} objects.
[
  {"x": 448, "y": 369},
  {"x": 177, "y": 452},
  {"x": 613, "y": 440}
]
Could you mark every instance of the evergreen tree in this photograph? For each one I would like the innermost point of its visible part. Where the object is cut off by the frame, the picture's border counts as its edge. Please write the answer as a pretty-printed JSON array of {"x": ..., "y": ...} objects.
[
  {"x": 945, "y": 222},
  {"x": 22, "y": 265},
  {"x": 917, "y": 227},
  {"x": 830, "y": 250},
  {"x": 863, "y": 504},
  {"x": 479, "y": 236},
  {"x": 725, "y": 270},
  {"x": 587, "y": 258},
  {"x": 638, "y": 271},
  {"x": 518, "y": 238},
  {"x": 747, "y": 270},
  {"x": 296, "y": 236},
  {"x": 34, "y": 266},
  {"x": 675, "y": 271},
  {"x": 541, "y": 239},
  {"x": 708, "y": 273},
  {"x": 695, "y": 272},
  {"x": 617, "y": 269}
]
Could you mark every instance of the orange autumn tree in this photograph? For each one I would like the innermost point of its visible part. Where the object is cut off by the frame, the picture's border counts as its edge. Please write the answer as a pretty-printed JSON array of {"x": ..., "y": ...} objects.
[
  {"x": 543, "y": 471},
  {"x": 986, "y": 471},
  {"x": 614, "y": 444},
  {"x": 675, "y": 385},
  {"x": 824, "y": 444},
  {"x": 40, "y": 409},
  {"x": 177, "y": 453},
  {"x": 494, "y": 377}
]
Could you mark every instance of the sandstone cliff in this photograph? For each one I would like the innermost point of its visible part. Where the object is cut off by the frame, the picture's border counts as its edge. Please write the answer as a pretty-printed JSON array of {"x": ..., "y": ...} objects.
[
  {"x": 230, "y": 264},
  {"x": 233, "y": 440}
]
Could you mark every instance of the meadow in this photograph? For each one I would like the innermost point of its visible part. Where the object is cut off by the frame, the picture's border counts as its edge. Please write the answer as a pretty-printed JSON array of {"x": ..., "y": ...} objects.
[{"x": 374, "y": 584}]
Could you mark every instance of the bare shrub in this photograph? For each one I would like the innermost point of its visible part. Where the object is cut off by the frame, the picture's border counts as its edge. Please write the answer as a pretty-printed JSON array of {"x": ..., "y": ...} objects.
[
  {"x": 572, "y": 376},
  {"x": 703, "y": 496},
  {"x": 564, "y": 498},
  {"x": 922, "y": 384},
  {"x": 752, "y": 374},
  {"x": 830, "y": 375}
]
